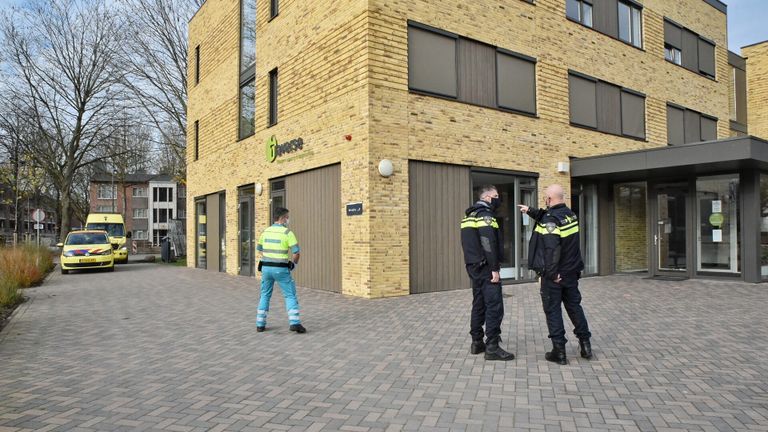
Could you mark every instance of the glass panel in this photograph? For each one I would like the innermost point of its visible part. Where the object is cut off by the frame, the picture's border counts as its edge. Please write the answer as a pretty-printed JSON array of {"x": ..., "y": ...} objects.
[
  {"x": 588, "y": 228},
  {"x": 719, "y": 226},
  {"x": 248, "y": 109},
  {"x": 631, "y": 236},
  {"x": 202, "y": 224},
  {"x": 432, "y": 62},
  {"x": 527, "y": 197},
  {"x": 625, "y": 22},
  {"x": 222, "y": 233},
  {"x": 764, "y": 226},
  {"x": 246, "y": 233},
  {"x": 572, "y": 9},
  {"x": 587, "y": 10},
  {"x": 670, "y": 227},
  {"x": 247, "y": 34},
  {"x": 637, "y": 28},
  {"x": 512, "y": 238}
]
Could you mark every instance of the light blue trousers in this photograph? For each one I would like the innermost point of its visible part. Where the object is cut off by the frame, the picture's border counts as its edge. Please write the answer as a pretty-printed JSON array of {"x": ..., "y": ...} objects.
[{"x": 281, "y": 275}]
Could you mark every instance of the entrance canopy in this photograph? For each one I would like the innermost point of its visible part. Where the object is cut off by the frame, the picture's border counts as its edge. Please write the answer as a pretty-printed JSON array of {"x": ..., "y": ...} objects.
[{"x": 731, "y": 154}]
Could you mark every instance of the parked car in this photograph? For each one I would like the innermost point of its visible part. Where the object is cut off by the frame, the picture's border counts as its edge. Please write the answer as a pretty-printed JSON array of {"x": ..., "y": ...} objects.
[{"x": 87, "y": 249}]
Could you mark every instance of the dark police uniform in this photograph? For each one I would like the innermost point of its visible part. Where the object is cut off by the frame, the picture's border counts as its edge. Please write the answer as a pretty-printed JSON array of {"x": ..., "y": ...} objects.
[
  {"x": 554, "y": 250},
  {"x": 483, "y": 253}
]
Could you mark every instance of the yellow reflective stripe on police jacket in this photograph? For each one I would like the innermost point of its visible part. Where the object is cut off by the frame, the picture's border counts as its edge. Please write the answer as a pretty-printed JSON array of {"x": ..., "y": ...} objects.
[
  {"x": 479, "y": 222},
  {"x": 562, "y": 231}
]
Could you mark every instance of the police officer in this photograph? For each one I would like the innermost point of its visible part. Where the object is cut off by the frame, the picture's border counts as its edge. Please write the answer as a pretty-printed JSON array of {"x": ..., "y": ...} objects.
[
  {"x": 280, "y": 254},
  {"x": 554, "y": 254},
  {"x": 483, "y": 253}
]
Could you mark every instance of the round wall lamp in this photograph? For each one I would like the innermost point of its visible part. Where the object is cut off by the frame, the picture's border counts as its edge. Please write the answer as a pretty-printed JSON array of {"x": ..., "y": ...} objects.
[
  {"x": 386, "y": 168},
  {"x": 258, "y": 188}
]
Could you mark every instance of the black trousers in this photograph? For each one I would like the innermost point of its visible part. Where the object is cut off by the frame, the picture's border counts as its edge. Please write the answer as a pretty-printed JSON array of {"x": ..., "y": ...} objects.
[
  {"x": 487, "y": 304},
  {"x": 567, "y": 293}
]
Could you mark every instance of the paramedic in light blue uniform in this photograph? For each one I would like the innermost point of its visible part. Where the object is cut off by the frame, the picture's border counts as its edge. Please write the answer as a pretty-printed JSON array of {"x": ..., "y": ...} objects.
[{"x": 279, "y": 256}]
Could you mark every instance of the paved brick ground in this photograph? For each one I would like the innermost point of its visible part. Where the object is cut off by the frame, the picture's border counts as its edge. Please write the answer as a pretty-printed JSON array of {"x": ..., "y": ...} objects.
[{"x": 153, "y": 347}]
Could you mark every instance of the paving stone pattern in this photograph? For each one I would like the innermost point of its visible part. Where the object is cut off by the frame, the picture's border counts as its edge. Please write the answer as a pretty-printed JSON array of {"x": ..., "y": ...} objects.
[{"x": 161, "y": 348}]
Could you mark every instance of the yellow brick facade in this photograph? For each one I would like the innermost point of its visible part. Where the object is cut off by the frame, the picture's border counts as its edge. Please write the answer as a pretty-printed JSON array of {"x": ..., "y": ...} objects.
[
  {"x": 757, "y": 88},
  {"x": 343, "y": 70}
]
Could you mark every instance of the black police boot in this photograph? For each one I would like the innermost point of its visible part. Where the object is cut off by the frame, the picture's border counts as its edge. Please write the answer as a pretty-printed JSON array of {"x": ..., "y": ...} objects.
[
  {"x": 494, "y": 352},
  {"x": 298, "y": 328},
  {"x": 586, "y": 348},
  {"x": 557, "y": 355},
  {"x": 260, "y": 329},
  {"x": 478, "y": 347}
]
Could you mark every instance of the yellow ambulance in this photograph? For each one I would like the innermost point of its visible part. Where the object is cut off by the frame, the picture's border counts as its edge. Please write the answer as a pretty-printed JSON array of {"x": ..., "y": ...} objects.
[{"x": 114, "y": 225}]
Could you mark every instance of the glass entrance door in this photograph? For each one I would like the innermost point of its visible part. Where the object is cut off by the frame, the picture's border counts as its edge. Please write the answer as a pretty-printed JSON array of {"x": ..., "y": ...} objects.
[
  {"x": 246, "y": 234},
  {"x": 670, "y": 234}
]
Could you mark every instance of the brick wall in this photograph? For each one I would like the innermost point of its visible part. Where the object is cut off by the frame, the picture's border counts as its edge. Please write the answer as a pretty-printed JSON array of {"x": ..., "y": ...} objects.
[
  {"x": 757, "y": 88},
  {"x": 343, "y": 70}
]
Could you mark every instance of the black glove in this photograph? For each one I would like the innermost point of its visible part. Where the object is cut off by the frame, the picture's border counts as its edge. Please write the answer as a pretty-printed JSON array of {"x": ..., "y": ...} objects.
[
  {"x": 259, "y": 267},
  {"x": 291, "y": 265}
]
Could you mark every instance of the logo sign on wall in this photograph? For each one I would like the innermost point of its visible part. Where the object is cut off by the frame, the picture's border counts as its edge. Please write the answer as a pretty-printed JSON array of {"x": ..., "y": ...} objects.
[{"x": 275, "y": 150}]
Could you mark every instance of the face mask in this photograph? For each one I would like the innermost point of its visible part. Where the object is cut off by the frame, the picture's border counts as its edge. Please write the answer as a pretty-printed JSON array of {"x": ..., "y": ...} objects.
[
  {"x": 495, "y": 203},
  {"x": 287, "y": 222}
]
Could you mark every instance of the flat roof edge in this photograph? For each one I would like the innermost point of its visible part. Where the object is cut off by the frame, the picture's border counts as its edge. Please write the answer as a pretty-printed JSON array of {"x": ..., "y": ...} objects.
[
  {"x": 754, "y": 44},
  {"x": 717, "y": 4}
]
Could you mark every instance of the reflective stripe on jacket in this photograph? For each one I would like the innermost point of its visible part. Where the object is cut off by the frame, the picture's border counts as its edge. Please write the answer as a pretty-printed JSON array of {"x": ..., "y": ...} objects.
[{"x": 277, "y": 244}]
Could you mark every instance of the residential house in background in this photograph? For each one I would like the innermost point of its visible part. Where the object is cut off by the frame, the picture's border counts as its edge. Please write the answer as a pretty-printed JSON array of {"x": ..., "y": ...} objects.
[
  {"x": 26, "y": 205},
  {"x": 149, "y": 203}
]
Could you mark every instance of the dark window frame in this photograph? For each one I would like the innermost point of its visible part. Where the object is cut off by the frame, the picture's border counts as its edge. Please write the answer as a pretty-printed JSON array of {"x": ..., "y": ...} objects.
[
  {"x": 632, "y": 7},
  {"x": 617, "y": 38},
  {"x": 274, "y": 9},
  {"x": 498, "y": 49},
  {"x": 597, "y": 81},
  {"x": 700, "y": 39},
  {"x": 197, "y": 139},
  {"x": 197, "y": 65},
  {"x": 700, "y": 114},
  {"x": 273, "y": 95},
  {"x": 246, "y": 76},
  {"x": 580, "y": 20}
]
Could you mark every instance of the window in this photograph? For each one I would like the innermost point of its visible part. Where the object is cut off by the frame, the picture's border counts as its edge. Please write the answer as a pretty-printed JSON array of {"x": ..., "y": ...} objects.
[
  {"x": 248, "y": 109},
  {"x": 582, "y": 101},
  {"x": 104, "y": 209},
  {"x": 432, "y": 62},
  {"x": 689, "y": 50},
  {"x": 107, "y": 191},
  {"x": 579, "y": 10},
  {"x": 606, "y": 107},
  {"x": 140, "y": 192},
  {"x": 197, "y": 139},
  {"x": 687, "y": 126},
  {"x": 139, "y": 213},
  {"x": 516, "y": 82},
  {"x": 163, "y": 194},
  {"x": 274, "y": 8},
  {"x": 673, "y": 54},
  {"x": 162, "y": 216},
  {"x": 182, "y": 191},
  {"x": 247, "y": 90},
  {"x": 197, "y": 64},
  {"x": 247, "y": 34},
  {"x": 447, "y": 65},
  {"x": 182, "y": 214},
  {"x": 273, "y": 97},
  {"x": 140, "y": 235},
  {"x": 630, "y": 24}
]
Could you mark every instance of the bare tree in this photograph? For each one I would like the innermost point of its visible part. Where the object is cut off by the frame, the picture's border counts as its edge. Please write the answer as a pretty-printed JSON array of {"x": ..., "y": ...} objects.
[
  {"x": 63, "y": 57},
  {"x": 157, "y": 53}
]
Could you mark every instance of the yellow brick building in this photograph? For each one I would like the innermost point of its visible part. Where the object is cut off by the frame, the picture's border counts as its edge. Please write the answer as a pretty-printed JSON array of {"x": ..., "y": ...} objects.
[
  {"x": 307, "y": 105},
  {"x": 757, "y": 82}
]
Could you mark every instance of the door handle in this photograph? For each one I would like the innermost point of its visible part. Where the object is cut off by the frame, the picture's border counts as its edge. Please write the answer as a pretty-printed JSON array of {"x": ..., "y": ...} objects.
[{"x": 655, "y": 239}]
